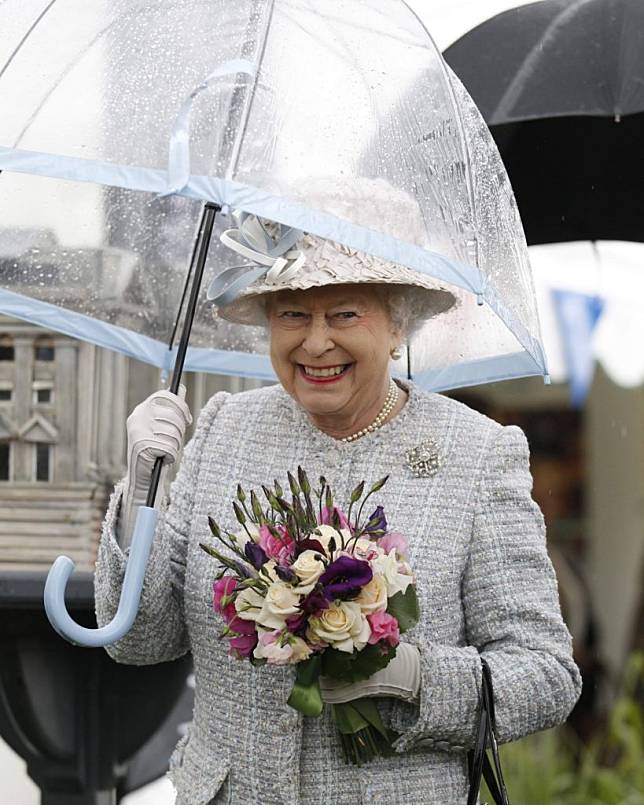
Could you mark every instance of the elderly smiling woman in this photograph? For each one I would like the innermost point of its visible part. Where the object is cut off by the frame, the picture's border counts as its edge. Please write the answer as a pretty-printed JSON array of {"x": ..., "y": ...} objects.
[{"x": 485, "y": 585}]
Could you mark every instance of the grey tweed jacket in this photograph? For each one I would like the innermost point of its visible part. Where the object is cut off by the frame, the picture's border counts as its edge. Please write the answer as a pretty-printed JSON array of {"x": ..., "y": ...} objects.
[{"x": 484, "y": 580}]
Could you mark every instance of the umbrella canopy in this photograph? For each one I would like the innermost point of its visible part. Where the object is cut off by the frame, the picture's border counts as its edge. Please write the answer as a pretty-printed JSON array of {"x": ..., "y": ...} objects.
[
  {"x": 554, "y": 58},
  {"x": 167, "y": 105},
  {"x": 562, "y": 86}
]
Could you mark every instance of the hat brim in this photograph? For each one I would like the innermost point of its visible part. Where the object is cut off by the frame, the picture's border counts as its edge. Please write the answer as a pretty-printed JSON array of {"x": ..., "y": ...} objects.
[
  {"x": 251, "y": 307},
  {"x": 330, "y": 263}
]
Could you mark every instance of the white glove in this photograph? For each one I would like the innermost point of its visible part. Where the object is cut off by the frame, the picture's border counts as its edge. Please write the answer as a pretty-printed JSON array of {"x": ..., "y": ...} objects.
[
  {"x": 401, "y": 678},
  {"x": 156, "y": 427}
]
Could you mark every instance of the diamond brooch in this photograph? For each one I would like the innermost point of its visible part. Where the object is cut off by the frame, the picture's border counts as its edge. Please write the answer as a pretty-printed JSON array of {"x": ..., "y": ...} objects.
[{"x": 424, "y": 459}]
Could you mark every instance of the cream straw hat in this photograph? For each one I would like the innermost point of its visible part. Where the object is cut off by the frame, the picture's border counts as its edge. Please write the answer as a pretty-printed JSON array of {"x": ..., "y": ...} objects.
[{"x": 281, "y": 258}]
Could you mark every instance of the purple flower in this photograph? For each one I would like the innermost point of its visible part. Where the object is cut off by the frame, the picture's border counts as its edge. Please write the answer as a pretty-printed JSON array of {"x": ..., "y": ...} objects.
[
  {"x": 314, "y": 602},
  {"x": 377, "y": 522},
  {"x": 285, "y": 573},
  {"x": 296, "y": 624},
  {"x": 345, "y": 577},
  {"x": 255, "y": 554}
]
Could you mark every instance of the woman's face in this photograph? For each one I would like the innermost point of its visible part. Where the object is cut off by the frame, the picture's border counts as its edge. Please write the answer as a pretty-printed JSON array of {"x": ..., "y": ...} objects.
[{"x": 330, "y": 347}]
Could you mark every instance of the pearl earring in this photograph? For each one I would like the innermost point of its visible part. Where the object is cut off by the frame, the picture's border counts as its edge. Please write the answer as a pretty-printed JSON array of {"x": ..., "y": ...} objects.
[{"x": 396, "y": 354}]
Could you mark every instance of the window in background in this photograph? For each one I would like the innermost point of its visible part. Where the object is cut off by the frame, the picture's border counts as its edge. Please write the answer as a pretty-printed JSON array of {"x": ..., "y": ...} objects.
[
  {"x": 6, "y": 348},
  {"x": 5, "y": 461},
  {"x": 44, "y": 349},
  {"x": 42, "y": 462},
  {"x": 43, "y": 393}
]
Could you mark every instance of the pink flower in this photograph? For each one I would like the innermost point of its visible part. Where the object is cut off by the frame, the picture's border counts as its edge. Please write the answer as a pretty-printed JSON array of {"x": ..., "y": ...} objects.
[
  {"x": 244, "y": 645},
  {"x": 244, "y": 641},
  {"x": 224, "y": 586},
  {"x": 327, "y": 517},
  {"x": 394, "y": 540},
  {"x": 281, "y": 549},
  {"x": 383, "y": 627}
]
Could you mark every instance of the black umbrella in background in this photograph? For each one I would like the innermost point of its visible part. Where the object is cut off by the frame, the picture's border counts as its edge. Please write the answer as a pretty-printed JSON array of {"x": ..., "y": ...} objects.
[{"x": 561, "y": 85}]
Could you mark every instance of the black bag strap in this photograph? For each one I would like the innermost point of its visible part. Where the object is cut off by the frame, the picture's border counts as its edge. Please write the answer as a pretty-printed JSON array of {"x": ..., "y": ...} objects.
[{"x": 479, "y": 761}]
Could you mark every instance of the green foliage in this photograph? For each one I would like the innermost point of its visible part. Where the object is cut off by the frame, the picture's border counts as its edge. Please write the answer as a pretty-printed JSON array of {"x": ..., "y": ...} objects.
[
  {"x": 550, "y": 768},
  {"x": 357, "y": 666},
  {"x": 404, "y": 607}
]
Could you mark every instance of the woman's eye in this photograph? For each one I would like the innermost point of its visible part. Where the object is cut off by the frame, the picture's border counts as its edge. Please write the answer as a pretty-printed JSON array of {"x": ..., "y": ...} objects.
[
  {"x": 291, "y": 314},
  {"x": 346, "y": 314}
]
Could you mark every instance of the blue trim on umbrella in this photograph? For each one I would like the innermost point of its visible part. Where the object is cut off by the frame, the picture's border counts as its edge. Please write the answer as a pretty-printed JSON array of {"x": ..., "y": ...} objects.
[
  {"x": 250, "y": 199},
  {"x": 86, "y": 328},
  {"x": 475, "y": 373},
  {"x": 127, "y": 342}
]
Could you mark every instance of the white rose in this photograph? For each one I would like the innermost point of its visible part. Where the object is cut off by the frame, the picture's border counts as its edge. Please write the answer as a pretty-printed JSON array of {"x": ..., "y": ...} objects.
[
  {"x": 373, "y": 596},
  {"x": 269, "y": 567},
  {"x": 324, "y": 533},
  {"x": 342, "y": 626},
  {"x": 308, "y": 569},
  {"x": 248, "y": 604},
  {"x": 280, "y": 602},
  {"x": 396, "y": 578}
]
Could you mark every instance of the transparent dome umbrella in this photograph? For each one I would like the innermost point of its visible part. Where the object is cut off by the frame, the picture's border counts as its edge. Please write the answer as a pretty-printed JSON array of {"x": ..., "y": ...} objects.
[{"x": 121, "y": 120}]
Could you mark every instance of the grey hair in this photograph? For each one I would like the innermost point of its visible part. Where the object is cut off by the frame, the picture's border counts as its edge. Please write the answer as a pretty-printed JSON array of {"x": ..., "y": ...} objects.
[
  {"x": 405, "y": 304},
  {"x": 407, "y": 307}
]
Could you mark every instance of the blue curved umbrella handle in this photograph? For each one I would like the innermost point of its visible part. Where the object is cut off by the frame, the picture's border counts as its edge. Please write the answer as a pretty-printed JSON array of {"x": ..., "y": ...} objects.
[{"x": 122, "y": 621}]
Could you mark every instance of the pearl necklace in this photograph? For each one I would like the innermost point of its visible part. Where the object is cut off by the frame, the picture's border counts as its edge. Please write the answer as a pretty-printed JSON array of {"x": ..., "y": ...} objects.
[{"x": 390, "y": 401}]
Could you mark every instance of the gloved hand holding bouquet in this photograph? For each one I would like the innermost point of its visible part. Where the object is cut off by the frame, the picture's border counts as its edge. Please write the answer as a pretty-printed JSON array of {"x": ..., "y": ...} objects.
[{"x": 303, "y": 583}]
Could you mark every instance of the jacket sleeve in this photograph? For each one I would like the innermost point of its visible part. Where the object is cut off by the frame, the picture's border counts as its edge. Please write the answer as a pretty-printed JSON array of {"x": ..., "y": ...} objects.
[
  {"x": 513, "y": 619},
  {"x": 159, "y": 633}
]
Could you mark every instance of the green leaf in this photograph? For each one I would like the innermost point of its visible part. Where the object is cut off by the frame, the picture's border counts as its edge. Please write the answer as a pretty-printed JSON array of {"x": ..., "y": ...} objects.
[
  {"x": 357, "y": 666},
  {"x": 368, "y": 709},
  {"x": 348, "y": 719},
  {"x": 362, "y": 732},
  {"x": 305, "y": 695},
  {"x": 404, "y": 607}
]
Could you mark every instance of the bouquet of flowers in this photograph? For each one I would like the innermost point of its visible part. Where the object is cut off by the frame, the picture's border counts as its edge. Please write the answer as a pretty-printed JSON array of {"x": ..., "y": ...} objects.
[{"x": 304, "y": 583}]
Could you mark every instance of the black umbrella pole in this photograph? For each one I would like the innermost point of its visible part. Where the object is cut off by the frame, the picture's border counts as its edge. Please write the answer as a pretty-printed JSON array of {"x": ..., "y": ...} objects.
[{"x": 197, "y": 265}]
